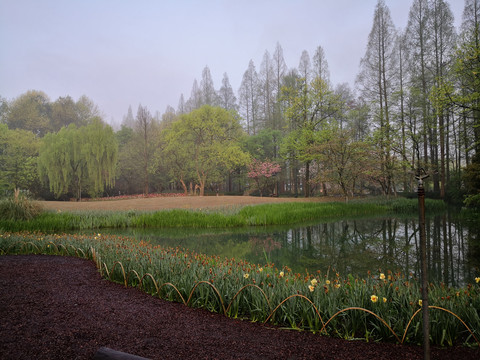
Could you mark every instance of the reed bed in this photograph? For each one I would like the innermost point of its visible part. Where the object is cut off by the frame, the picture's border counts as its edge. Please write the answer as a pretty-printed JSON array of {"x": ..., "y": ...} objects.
[
  {"x": 382, "y": 307},
  {"x": 257, "y": 215}
]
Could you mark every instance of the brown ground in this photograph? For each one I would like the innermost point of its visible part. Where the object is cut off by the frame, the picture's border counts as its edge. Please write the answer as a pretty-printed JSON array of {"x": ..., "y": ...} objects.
[
  {"x": 180, "y": 202},
  {"x": 54, "y": 307}
]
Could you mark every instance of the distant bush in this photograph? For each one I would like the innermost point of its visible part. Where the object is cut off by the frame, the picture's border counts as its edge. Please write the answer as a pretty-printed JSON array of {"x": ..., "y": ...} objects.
[{"x": 19, "y": 207}]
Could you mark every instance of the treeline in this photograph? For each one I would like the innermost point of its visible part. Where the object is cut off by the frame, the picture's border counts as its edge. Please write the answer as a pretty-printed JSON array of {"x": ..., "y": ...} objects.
[{"x": 415, "y": 106}]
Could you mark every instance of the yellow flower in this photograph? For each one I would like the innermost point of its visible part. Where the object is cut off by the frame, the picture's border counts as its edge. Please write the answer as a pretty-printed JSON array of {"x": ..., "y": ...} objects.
[
  {"x": 382, "y": 276},
  {"x": 420, "y": 302},
  {"x": 261, "y": 269},
  {"x": 374, "y": 298},
  {"x": 384, "y": 299},
  {"x": 327, "y": 282},
  {"x": 282, "y": 273},
  {"x": 311, "y": 288},
  {"x": 337, "y": 286},
  {"x": 477, "y": 280},
  {"x": 246, "y": 276},
  {"x": 314, "y": 282}
]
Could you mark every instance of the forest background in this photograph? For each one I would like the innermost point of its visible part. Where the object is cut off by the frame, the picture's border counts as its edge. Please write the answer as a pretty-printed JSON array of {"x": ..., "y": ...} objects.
[{"x": 284, "y": 131}]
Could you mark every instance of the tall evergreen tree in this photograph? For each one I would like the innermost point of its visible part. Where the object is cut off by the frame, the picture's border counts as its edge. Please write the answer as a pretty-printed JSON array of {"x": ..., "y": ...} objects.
[
  {"x": 279, "y": 73},
  {"x": 226, "y": 96},
  {"x": 181, "y": 108},
  {"x": 207, "y": 89},
  {"x": 129, "y": 120},
  {"x": 195, "y": 100},
  {"x": 320, "y": 65},
  {"x": 265, "y": 89},
  {"x": 419, "y": 45},
  {"x": 375, "y": 81},
  {"x": 444, "y": 38},
  {"x": 249, "y": 102}
]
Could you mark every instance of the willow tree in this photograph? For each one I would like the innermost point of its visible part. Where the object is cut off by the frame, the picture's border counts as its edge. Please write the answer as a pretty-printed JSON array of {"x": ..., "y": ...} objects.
[{"x": 79, "y": 158}]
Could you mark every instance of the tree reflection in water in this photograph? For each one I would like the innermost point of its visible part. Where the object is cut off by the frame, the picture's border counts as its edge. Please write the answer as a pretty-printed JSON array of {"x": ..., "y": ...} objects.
[{"x": 348, "y": 246}]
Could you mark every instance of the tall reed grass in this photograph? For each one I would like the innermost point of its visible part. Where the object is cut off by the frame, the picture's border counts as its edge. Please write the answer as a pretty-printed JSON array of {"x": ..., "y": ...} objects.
[
  {"x": 258, "y": 215},
  {"x": 18, "y": 208},
  {"x": 382, "y": 306}
]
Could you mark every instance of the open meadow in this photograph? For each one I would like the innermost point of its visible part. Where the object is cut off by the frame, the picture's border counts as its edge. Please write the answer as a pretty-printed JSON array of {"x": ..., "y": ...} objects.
[{"x": 176, "y": 202}]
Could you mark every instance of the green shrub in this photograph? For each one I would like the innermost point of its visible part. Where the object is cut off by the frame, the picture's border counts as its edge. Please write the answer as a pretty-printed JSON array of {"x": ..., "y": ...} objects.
[{"x": 19, "y": 208}]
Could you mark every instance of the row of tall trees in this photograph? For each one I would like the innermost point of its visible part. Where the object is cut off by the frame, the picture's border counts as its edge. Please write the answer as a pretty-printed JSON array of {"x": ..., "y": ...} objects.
[
  {"x": 416, "y": 102},
  {"x": 415, "y": 105}
]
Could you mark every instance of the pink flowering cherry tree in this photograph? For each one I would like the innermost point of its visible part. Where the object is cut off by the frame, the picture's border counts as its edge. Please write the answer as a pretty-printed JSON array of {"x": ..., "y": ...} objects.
[{"x": 263, "y": 172}]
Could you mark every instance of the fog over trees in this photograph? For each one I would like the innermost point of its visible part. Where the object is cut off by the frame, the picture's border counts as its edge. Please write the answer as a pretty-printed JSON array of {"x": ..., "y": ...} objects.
[{"x": 416, "y": 104}]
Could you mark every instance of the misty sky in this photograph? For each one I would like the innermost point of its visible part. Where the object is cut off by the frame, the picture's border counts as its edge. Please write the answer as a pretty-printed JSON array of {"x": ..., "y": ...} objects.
[{"x": 122, "y": 53}]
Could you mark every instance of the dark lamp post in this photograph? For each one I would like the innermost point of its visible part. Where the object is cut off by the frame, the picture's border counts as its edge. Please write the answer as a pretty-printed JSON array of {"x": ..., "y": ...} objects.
[{"x": 424, "y": 267}]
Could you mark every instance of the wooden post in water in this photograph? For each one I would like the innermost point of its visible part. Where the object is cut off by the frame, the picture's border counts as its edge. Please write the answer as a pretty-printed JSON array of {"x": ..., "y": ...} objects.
[{"x": 424, "y": 267}]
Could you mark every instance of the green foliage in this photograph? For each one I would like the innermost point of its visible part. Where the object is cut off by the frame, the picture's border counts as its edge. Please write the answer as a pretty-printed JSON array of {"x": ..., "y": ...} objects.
[
  {"x": 30, "y": 112},
  {"x": 18, "y": 153},
  {"x": 77, "y": 158},
  {"x": 455, "y": 190},
  {"x": 311, "y": 105},
  {"x": 344, "y": 161},
  {"x": 263, "y": 145},
  {"x": 204, "y": 145},
  {"x": 471, "y": 178}
]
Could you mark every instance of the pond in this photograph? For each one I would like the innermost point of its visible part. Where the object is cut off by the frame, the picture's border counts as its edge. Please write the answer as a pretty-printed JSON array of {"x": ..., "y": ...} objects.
[{"x": 353, "y": 246}]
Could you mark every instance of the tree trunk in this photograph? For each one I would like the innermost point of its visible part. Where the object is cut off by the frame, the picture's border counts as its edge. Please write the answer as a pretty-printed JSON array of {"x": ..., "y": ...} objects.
[
  {"x": 442, "y": 156},
  {"x": 184, "y": 186},
  {"x": 307, "y": 179}
]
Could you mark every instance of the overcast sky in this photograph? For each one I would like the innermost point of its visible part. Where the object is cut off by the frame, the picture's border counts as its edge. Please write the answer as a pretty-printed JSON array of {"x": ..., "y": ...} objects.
[{"x": 121, "y": 53}]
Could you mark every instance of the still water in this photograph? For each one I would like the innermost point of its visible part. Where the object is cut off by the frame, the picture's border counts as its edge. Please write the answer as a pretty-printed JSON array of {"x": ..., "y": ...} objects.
[{"x": 347, "y": 246}]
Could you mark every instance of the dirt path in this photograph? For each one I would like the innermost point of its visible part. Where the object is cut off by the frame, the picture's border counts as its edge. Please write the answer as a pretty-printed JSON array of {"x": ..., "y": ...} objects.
[
  {"x": 180, "y": 202},
  {"x": 54, "y": 307}
]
